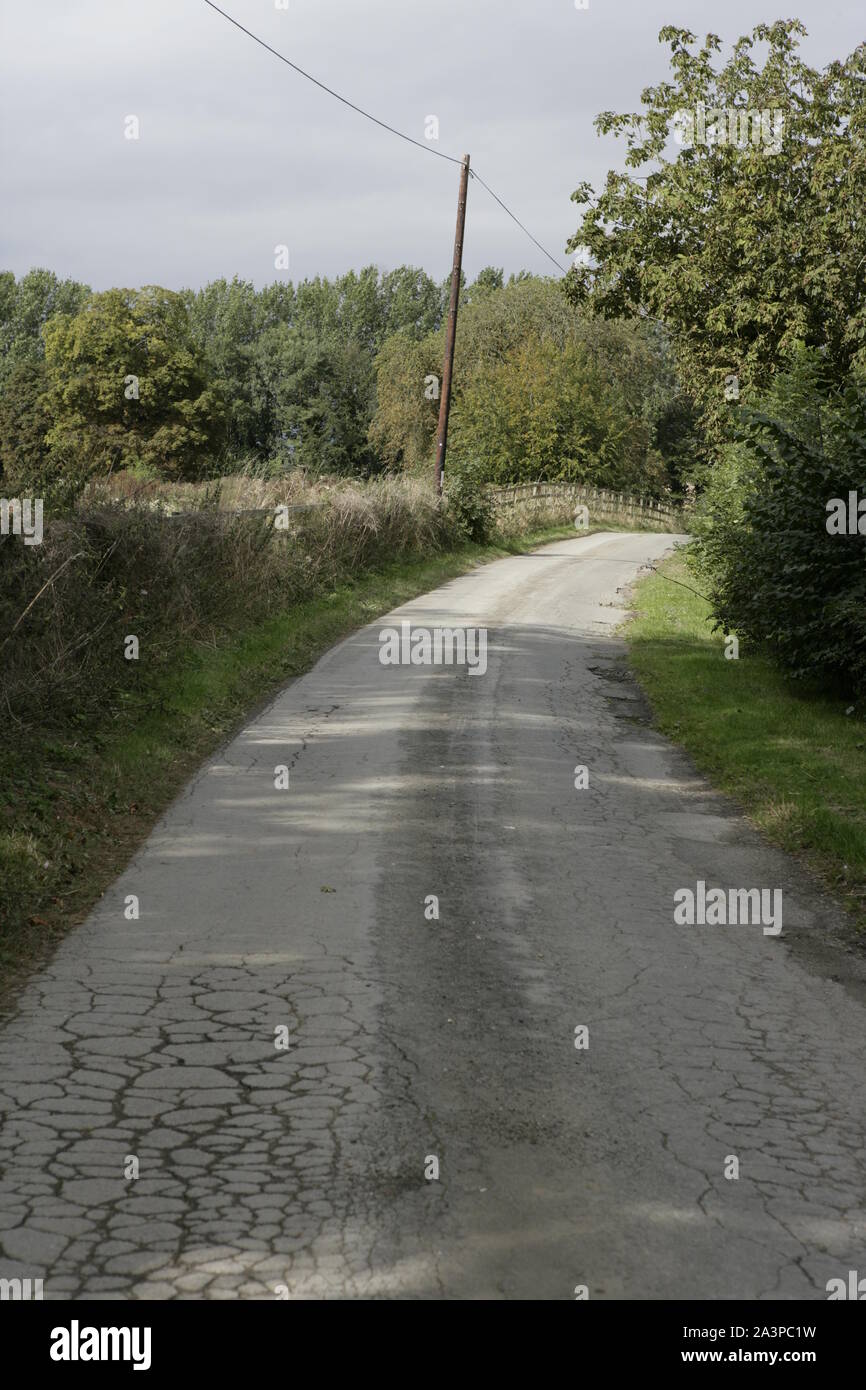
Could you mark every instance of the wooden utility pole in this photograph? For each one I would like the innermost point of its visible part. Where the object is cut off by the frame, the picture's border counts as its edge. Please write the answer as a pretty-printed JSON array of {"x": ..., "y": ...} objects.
[{"x": 451, "y": 329}]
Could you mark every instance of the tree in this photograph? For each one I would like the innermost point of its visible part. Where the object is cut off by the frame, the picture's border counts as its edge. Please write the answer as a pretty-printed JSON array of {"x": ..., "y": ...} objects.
[
  {"x": 486, "y": 282},
  {"x": 411, "y": 303},
  {"x": 25, "y": 420},
  {"x": 130, "y": 387},
  {"x": 26, "y": 307},
  {"x": 407, "y": 401},
  {"x": 318, "y": 394},
  {"x": 752, "y": 237},
  {"x": 225, "y": 321}
]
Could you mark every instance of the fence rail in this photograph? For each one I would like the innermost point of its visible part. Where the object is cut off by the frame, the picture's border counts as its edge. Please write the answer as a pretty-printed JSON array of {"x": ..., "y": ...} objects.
[{"x": 599, "y": 501}]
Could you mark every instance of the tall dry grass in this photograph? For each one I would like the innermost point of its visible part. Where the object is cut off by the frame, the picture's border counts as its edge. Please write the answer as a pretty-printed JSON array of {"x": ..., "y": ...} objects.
[
  {"x": 242, "y": 491},
  {"x": 111, "y": 571}
]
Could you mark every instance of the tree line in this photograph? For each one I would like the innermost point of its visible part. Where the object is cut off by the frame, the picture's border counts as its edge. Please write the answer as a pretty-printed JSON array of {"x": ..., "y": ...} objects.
[{"x": 331, "y": 376}]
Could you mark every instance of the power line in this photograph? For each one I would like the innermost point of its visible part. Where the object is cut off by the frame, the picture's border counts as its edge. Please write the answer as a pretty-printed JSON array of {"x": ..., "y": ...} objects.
[
  {"x": 329, "y": 90},
  {"x": 516, "y": 219},
  {"x": 383, "y": 124}
]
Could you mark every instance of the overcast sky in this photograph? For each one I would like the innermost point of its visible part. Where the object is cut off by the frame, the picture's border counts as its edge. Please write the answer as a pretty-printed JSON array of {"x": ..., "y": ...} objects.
[{"x": 238, "y": 154}]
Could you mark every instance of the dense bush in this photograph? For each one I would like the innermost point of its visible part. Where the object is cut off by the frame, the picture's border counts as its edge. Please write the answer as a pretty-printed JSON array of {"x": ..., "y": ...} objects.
[
  {"x": 67, "y": 605},
  {"x": 774, "y": 573},
  {"x": 467, "y": 499}
]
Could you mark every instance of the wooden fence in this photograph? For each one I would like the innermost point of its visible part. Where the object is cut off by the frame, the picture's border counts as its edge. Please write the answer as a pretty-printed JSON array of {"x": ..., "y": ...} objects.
[{"x": 600, "y": 503}]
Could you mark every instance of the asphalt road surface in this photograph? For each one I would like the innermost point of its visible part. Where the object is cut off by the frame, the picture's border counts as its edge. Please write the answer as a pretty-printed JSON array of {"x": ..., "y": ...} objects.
[{"x": 287, "y": 1042}]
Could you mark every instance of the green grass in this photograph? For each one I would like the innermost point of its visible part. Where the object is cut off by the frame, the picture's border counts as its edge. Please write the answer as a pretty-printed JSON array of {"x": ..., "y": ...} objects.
[{"x": 788, "y": 754}]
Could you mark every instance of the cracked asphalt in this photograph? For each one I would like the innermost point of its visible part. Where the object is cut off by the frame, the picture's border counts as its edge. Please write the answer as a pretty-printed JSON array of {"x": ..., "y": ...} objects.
[{"x": 268, "y": 1171}]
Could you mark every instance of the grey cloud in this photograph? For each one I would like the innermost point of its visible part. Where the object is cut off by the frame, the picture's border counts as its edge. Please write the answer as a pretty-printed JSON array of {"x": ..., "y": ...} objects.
[{"x": 237, "y": 153}]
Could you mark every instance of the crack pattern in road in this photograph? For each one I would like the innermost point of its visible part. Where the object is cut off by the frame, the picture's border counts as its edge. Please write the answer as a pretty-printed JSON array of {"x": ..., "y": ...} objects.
[{"x": 239, "y": 1094}]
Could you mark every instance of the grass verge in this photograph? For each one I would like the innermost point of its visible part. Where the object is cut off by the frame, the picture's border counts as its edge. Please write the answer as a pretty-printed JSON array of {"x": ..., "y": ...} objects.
[{"x": 788, "y": 754}]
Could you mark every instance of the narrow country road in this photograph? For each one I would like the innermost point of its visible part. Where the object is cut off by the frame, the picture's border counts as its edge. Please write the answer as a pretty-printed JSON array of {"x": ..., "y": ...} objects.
[{"x": 266, "y": 1170}]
